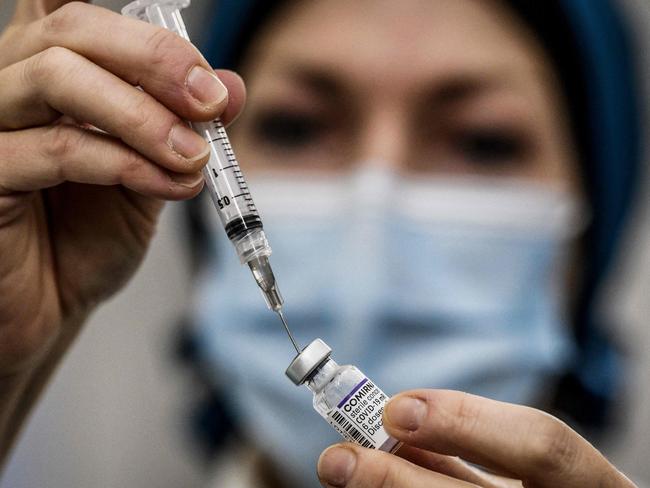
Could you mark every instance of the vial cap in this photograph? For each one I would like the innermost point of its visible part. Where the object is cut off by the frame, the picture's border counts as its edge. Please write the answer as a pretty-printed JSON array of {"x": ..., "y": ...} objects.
[{"x": 307, "y": 361}]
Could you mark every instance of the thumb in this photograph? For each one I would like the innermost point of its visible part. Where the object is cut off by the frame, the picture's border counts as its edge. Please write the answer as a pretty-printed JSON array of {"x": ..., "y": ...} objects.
[{"x": 30, "y": 10}]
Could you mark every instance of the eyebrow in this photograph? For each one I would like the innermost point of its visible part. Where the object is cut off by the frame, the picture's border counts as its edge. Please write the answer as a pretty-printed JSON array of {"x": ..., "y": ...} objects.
[
  {"x": 461, "y": 87},
  {"x": 441, "y": 91},
  {"x": 318, "y": 80}
]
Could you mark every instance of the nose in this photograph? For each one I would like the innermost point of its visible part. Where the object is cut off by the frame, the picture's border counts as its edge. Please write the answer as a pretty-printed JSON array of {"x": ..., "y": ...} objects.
[{"x": 384, "y": 137}]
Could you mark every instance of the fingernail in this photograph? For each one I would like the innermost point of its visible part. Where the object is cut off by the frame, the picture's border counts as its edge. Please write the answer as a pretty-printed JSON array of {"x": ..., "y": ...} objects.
[
  {"x": 205, "y": 86},
  {"x": 188, "y": 180},
  {"x": 336, "y": 465},
  {"x": 188, "y": 143},
  {"x": 405, "y": 412}
]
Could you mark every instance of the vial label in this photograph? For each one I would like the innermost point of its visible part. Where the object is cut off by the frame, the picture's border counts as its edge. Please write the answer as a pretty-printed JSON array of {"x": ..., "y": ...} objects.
[{"x": 358, "y": 417}]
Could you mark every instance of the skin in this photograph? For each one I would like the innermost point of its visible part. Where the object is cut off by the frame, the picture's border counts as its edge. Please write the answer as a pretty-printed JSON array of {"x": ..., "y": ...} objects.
[
  {"x": 520, "y": 446},
  {"x": 78, "y": 207},
  {"x": 461, "y": 74},
  {"x": 459, "y": 71}
]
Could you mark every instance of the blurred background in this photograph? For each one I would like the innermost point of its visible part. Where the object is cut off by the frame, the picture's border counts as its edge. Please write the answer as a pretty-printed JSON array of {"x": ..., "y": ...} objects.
[{"x": 114, "y": 415}]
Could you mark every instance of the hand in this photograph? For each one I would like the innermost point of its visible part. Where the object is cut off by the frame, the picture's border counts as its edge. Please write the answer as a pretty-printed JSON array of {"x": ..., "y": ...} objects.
[
  {"x": 78, "y": 206},
  {"x": 520, "y": 445}
]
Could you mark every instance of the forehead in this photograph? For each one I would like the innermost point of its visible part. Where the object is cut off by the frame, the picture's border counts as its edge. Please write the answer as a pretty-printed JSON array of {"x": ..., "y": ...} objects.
[{"x": 401, "y": 43}]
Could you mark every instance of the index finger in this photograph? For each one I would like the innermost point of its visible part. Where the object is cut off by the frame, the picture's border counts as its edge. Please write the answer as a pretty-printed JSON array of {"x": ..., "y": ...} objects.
[
  {"x": 519, "y": 441},
  {"x": 166, "y": 66}
]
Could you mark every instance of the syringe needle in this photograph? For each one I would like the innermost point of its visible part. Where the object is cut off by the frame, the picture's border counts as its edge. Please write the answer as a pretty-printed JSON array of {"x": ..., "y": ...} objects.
[{"x": 286, "y": 327}]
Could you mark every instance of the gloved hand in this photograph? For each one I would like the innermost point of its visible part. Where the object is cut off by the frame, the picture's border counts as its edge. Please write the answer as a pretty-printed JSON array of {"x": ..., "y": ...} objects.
[{"x": 520, "y": 445}]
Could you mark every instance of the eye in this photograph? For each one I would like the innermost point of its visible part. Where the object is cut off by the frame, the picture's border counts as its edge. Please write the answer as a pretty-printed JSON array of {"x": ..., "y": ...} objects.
[
  {"x": 490, "y": 147},
  {"x": 287, "y": 130}
]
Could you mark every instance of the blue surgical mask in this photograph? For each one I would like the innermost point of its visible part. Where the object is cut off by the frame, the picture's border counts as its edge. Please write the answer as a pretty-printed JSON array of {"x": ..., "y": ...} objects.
[{"x": 421, "y": 283}]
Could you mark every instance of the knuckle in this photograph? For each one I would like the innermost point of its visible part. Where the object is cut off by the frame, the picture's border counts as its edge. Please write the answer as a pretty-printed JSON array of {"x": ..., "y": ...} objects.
[
  {"x": 142, "y": 117},
  {"x": 464, "y": 417},
  {"x": 61, "y": 141},
  {"x": 387, "y": 479},
  {"x": 42, "y": 67},
  {"x": 371, "y": 469},
  {"x": 139, "y": 114},
  {"x": 64, "y": 19},
  {"x": 131, "y": 164},
  {"x": 391, "y": 476},
  {"x": 553, "y": 448},
  {"x": 164, "y": 47}
]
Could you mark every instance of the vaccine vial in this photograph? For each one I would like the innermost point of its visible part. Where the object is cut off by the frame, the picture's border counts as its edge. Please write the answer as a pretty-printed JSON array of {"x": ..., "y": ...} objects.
[{"x": 348, "y": 400}]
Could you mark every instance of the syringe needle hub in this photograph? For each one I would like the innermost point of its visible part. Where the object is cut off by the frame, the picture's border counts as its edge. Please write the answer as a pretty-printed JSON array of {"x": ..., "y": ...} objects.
[
  {"x": 286, "y": 327},
  {"x": 265, "y": 279}
]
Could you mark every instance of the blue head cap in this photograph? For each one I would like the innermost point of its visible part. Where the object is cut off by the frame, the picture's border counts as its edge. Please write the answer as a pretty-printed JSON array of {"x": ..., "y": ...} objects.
[
  {"x": 615, "y": 170},
  {"x": 233, "y": 25},
  {"x": 589, "y": 44}
]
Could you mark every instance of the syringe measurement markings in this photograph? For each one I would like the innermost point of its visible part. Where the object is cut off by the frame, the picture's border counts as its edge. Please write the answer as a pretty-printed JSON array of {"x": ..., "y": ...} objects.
[{"x": 226, "y": 148}]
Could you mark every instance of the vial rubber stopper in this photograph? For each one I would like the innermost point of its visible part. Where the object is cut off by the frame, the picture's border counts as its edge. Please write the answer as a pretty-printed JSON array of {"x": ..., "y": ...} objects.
[{"x": 306, "y": 362}]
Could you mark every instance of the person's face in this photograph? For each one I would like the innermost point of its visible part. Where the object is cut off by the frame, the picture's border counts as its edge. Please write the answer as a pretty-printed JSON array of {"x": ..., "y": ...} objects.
[{"x": 428, "y": 87}]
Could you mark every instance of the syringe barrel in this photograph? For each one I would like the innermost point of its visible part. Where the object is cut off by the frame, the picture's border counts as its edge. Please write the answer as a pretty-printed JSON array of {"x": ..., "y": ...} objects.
[
  {"x": 230, "y": 194},
  {"x": 164, "y": 13},
  {"x": 224, "y": 179}
]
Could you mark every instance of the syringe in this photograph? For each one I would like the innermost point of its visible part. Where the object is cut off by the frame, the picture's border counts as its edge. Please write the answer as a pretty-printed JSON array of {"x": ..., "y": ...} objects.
[{"x": 223, "y": 177}]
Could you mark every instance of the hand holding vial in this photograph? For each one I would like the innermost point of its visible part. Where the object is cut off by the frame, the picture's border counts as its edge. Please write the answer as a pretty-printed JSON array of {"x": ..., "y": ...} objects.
[{"x": 443, "y": 431}]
